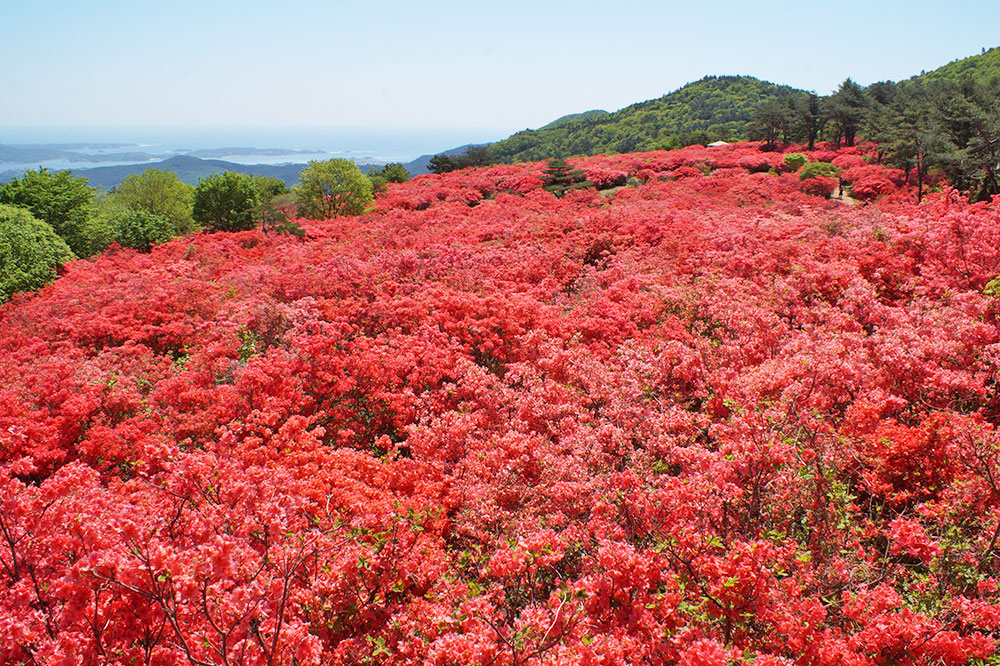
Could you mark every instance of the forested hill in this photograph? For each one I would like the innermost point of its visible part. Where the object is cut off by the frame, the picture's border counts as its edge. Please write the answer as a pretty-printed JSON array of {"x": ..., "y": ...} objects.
[
  {"x": 716, "y": 107},
  {"x": 576, "y": 117},
  {"x": 984, "y": 68}
]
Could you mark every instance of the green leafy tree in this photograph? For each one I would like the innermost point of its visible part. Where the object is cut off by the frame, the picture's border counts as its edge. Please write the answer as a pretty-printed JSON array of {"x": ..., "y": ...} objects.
[
  {"x": 228, "y": 201},
  {"x": 846, "y": 109},
  {"x": 969, "y": 116},
  {"x": 918, "y": 142},
  {"x": 64, "y": 202},
  {"x": 819, "y": 169},
  {"x": 472, "y": 156},
  {"x": 275, "y": 220},
  {"x": 159, "y": 192},
  {"x": 880, "y": 116},
  {"x": 270, "y": 187},
  {"x": 332, "y": 188},
  {"x": 393, "y": 172},
  {"x": 139, "y": 229},
  {"x": 807, "y": 119},
  {"x": 769, "y": 123},
  {"x": 30, "y": 252},
  {"x": 442, "y": 164},
  {"x": 794, "y": 161}
]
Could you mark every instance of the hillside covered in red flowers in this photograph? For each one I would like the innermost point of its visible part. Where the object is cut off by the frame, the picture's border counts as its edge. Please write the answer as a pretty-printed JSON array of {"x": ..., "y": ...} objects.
[{"x": 712, "y": 418}]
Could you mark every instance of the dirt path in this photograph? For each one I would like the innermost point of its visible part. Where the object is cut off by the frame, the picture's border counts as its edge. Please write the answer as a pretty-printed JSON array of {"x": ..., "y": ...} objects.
[{"x": 845, "y": 198}]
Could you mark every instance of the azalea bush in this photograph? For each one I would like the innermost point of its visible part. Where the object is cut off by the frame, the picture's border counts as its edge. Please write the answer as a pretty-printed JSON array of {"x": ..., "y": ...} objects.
[
  {"x": 819, "y": 185},
  {"x": 792, "y": 162},
  {"x": 710, "y": 419}
]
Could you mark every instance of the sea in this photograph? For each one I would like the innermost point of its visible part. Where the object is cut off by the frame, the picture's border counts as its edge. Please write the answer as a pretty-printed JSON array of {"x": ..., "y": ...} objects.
[{"x": 362, "y": 145}]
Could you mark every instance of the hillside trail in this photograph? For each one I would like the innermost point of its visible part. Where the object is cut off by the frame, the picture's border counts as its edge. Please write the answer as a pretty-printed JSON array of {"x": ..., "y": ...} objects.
[{"x": 845, "y": 198}]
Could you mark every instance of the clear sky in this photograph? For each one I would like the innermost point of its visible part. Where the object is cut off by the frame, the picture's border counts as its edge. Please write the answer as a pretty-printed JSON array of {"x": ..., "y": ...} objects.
[{"x": 499, "y": 66}]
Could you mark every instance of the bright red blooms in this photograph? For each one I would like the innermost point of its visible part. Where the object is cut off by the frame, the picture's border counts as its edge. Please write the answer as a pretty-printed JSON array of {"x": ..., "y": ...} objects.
[{"x": 705, "y": 420}]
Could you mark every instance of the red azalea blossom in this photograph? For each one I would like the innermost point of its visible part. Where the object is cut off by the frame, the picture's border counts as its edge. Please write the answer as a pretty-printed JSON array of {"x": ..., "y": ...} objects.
[{"x": 705, "y": 418}]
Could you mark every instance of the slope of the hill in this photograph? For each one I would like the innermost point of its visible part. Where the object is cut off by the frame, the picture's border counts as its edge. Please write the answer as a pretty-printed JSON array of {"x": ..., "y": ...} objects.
[
  {"x": 710, "y": 420},
  {"x": 716, "y": 107},
  {"x": 984, "y": 68},
  {"x": 575, "y": 117}
]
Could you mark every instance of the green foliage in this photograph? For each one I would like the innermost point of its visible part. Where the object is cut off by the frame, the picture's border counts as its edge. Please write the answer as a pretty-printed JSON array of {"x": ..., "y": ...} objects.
[
  {"x": 97, "y": 233},
  {"x": 274, "y": 219},
  {"x": 807, "y": 119},
  {"x": 158, "y": 192},
  {"x": 794, "y": 161},
  {"x": 30, "y": 251},
  {"x": 139, "y": 229},
  {"x": 819, "y": 169},
  {"x": 984, "y": 69},
  {"x": 249, "y": 344},
  {"x": 770, "y": 122},
  {"x": 938, "y": 124},
  {"x": 331, "y": 188},
  {"x": 62, "y": 201},
  {"x": 575, "y": 117},
  {"x": 559, "y": 176},
  {"x": 916, "y": 139},
  {"x": 700, "y": 112},
  {"x": 846, "y": 110},
  {"x": 394, "y": 172},
  {"x": 270, "y": 187},
  {"x": 472, "y": 157},
  {"x": 227, "y": 202}
]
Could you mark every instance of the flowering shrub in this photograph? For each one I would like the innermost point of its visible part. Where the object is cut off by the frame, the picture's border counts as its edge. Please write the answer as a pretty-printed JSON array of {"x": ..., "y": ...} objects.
[
  {"x": 710, "y": 420},
  {"x": 869, "y": 182},
  {"x": 605, "y": 178},
  {"x": 819, "y": 185}
]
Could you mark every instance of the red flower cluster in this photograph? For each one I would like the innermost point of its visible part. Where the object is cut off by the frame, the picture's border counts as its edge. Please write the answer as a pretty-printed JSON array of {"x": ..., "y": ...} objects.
[{"x": 709, "y": 419}]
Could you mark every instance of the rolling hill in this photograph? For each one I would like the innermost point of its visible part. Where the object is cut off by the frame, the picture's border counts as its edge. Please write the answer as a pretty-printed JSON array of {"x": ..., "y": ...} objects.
[
  {"x": 576, "y": 117},
  {"x": 716, "y": 107},
  {"x": 984, "y": 68}
]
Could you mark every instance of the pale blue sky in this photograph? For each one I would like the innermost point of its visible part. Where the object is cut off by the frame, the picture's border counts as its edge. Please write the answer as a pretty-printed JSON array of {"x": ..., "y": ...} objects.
[{"x": 499, "y": 66}]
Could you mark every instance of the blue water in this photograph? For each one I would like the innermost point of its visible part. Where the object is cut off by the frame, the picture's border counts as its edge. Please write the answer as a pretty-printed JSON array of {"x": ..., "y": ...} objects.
[{"x": 361, "y": 145}]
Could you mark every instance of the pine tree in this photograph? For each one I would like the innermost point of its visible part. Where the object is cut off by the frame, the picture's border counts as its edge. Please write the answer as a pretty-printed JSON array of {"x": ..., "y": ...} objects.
[{"x": 559, "y": 176}]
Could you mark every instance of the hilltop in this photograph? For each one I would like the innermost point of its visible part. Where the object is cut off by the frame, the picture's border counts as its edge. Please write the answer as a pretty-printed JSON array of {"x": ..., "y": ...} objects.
[
  {"x": 984, "y": 68},
  {"x": 575, "y": 117},
  {"x": 716, "y": 107}
]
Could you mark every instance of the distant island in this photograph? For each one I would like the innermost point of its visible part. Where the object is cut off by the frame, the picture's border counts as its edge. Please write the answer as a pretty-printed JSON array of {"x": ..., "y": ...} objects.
[
  {"x": 69, "y": 152},
  {"x": 245, "y": 152}
]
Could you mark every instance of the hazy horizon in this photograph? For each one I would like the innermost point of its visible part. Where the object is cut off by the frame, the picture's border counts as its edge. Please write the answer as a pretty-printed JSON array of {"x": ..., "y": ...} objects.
[{"x": 362, "y": 145}]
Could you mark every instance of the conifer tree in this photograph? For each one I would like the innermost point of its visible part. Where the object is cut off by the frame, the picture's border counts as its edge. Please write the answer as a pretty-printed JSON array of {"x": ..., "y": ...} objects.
[{"x": 559, "y": 176}]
